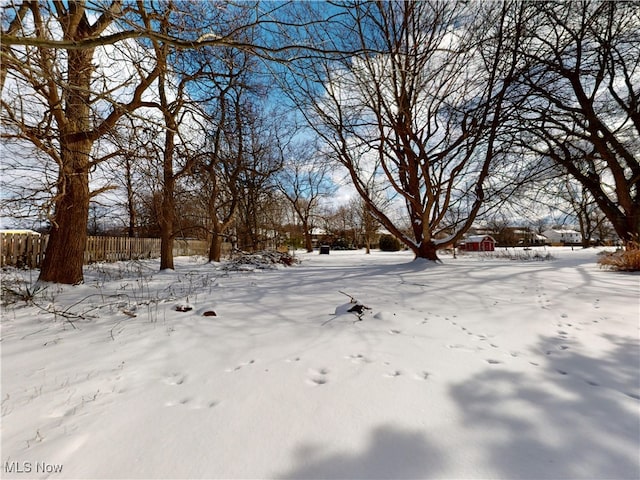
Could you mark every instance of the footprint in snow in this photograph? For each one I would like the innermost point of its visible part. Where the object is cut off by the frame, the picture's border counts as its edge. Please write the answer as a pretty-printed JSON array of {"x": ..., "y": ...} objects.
[
  {"x": 318, "y": 377},
  {"x": 317, "y": 381},
  {"x": 358, "y": 358},
  {"x": 462, "y": 348},
  {"x": 394, "y": 332},
  {"x": 492, "y": 361},
  {"x": 175, "y": 379},
  {"x": 422, "y": 376},
  {"x": 393, "y": 374},
  {"x": 242, "y": 365},
  {"x": 193, "y": 404}
]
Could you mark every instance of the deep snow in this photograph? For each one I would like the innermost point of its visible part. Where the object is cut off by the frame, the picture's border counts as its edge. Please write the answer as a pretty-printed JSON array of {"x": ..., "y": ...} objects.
[{"x": 476, "y": 368}]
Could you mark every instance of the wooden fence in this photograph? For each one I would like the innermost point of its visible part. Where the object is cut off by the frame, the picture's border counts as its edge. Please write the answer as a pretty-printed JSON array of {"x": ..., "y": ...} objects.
[
  {"x": 26, "y": 250},
  {"x": 23, "y": 250},
  {"x": 113, "y": 249}
]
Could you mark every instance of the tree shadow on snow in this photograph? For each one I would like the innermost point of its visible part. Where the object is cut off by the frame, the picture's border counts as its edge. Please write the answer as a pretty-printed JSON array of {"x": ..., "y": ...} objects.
[
  {"x": 577, "y": 417},
  {"x": 391, "y": 454}
]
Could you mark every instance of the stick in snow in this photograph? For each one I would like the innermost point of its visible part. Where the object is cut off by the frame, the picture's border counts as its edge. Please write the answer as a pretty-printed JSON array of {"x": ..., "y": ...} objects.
[{"x": 351, "y": 298}]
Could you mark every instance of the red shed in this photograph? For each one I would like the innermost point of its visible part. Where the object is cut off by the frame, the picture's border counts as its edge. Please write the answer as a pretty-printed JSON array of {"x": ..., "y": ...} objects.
[{"x": 479, "y": 243}]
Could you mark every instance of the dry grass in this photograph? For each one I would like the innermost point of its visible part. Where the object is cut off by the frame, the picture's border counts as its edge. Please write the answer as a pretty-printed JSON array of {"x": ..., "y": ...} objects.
[{"x": 627, "y": 260}]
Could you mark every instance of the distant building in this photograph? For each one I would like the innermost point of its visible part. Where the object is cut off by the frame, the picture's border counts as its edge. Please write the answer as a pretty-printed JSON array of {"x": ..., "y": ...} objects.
[
  {"x": 316, "y": 235},
  {"x": 564, "y": 236},
  {"x": 478, "y": 243}
]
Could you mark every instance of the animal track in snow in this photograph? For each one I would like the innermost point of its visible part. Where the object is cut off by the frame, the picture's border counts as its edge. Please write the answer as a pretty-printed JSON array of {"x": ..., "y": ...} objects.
[
  {"x": 493, "y": 361},
  {"x": 593, "y": 383},
  {"x": 394, "y": 332},
  {"x": 358, "y": 358},
  {"x": 422, "y": 376},
  {"x": 463, "y": 348},
  {"x": 193, "y": 404},
  {"x": 318, "y": 377},
  {"x": 318, "y": 381},
  {"x": 175, "y": 379},
  {"x": 393, "y": 374},
  {"x": 242, "y": 365}
]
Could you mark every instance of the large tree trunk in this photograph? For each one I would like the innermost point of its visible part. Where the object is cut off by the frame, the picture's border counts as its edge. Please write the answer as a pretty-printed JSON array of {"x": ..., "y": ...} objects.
[
  {"x": 64, "y": 256},
  {"x": 626, "y": 225},
  {"x": 219, "y": 227},
  {"x": 215, "y": 248},
  {"x": 167, "y": 224},
  {"x": 308, "y": 238},
  {"x": 426, "y": 250},
  {"x": 166, "y": 250},
  {"x": 168, "y": 213}
]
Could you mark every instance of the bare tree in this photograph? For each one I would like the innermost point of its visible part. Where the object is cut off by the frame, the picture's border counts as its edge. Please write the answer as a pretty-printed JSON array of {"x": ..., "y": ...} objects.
[
  {"x": 262, "y": 160},
  {"x": 367, "y": 222},
  {"x": 65, "y": 117},
  {"x": 579, "y": 72},
  {"x": 231, "y": 84},
  {"x": 421, "y": 108},
  {"x": 50, "y": 66},
  {"x": 304, "y": 181},
  {"x": 579, "y": 204},
  {"x": 173, "y": 104}
]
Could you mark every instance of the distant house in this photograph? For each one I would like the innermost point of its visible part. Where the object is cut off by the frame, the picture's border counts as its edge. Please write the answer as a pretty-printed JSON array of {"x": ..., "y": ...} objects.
[
  {"x": 479, "y": 243},
  {"x": 316, "y": 234},
  {"x": 562, "y": 236},
  {"x": 537, "y": 239}
]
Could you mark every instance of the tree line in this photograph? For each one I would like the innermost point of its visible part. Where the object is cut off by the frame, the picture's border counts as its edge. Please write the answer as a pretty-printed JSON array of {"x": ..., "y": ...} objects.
[{"x": 203, "y": 113}]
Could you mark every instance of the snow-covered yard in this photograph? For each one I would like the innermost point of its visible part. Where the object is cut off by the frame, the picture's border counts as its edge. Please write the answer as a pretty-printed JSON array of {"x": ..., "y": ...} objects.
[{"x": 476, "y": 368}]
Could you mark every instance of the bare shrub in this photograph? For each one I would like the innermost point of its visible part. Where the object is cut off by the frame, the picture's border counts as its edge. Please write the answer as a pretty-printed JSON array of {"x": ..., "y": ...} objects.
[
  {"x": 622, "y": 260},
  {"x": 266, "y": 259}
]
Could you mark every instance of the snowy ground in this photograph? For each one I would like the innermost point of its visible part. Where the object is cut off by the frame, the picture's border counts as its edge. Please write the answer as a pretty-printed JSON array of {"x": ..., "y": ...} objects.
[{"x": 476, "y": 368}]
